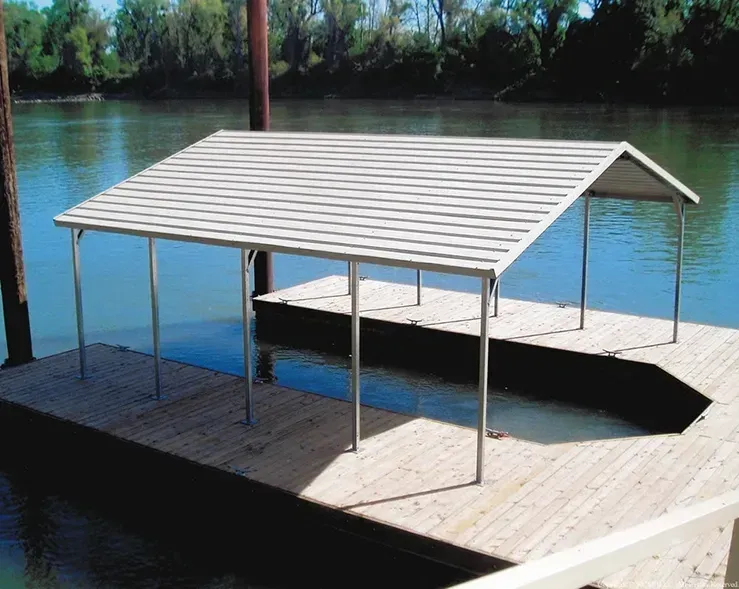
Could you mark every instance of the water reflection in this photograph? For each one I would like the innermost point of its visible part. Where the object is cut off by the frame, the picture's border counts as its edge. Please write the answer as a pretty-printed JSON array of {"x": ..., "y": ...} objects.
[
  {"x": 35, "y": 531},
  {"x": 70, "y": 529},
  {"x": 265, "y": 365}
]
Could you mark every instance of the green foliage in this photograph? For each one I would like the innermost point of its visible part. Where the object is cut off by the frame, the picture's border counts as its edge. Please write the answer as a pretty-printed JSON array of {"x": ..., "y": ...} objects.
[
  {"x": 76, "y": 53},
  {"x": 24, "y": 29},
  {"x": 278, "y": 68},
  {"x": 140, "y": 32},
  {"x": 644, "y": 50}
]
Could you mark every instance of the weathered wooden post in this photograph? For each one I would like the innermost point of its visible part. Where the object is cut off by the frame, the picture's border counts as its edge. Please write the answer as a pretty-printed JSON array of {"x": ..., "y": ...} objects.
[
  {"x": 12, "y": 274},
  {"x": 256, "y": 14}
]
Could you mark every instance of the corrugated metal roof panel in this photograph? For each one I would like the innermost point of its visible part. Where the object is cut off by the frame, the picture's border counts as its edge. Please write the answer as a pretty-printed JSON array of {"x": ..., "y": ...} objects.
[{"x": 449, "y": 204}]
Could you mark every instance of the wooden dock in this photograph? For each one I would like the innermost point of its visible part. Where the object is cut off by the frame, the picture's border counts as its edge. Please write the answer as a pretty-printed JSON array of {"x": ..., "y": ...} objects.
[
  {"x": 541, "y": 499},
  {"x": 704, "y": 357},
  {"x": 417, "y": 474}
]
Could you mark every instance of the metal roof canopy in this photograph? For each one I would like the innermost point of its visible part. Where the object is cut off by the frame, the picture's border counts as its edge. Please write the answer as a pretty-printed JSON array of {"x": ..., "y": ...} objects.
[
  {"x": 453, "y": 205},
  {"x": 466, "y": 206}
]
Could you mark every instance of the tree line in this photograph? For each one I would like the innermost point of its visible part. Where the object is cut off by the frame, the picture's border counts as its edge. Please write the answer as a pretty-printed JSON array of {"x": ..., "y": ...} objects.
[{"x": 669, "y": 51}]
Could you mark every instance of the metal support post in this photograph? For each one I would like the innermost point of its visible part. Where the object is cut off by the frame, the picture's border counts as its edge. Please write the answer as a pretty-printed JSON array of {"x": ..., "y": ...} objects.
[
  {"x": 482, "y": 396},
  {"x": 355, "y": 355},
  {"x": 247, "y": 257},
  {"x": 155, "y": 317},
  {"x": 585, "y": 247},
  {"x": 349, "y": 277},
  {"x": 78, "y": 301},
  {"x": 418, "y": 287},
  {"x": 679, "y": 269}
]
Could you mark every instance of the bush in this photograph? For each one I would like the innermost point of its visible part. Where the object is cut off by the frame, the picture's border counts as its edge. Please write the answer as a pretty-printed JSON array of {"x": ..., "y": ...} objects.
[{"x": 278, "y": 68}]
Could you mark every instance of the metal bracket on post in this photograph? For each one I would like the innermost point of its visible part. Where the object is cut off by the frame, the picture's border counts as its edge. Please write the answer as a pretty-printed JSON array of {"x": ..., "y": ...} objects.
[
  {"x": 154, "y": 285},
  {"x": 247, "y": 259},
  {"x": 678, "y": 267},
  {"x": 76, "y": 236},
  {"x": 494, "y": 294}
]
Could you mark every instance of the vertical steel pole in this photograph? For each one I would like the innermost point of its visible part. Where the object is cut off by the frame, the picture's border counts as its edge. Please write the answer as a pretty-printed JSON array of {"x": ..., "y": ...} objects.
[
  {"x": 585, "y": 247},
  {"x": 349, "y": 277},
  {"x": 418, "y": 287},
  {"x": 153, "y": 279},
  {"x": 78, "y": 303},
  {"x": 355, "y": 355},
  {"x": 679, "y": 270},
  {"x": 482, "y": 398},
  {"x": 496, "y": 301},
  {"x": 246, "y": 318}
]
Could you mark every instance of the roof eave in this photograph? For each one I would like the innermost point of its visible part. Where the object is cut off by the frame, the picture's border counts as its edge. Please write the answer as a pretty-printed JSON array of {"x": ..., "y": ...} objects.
[{"x": 476, "y": 272}]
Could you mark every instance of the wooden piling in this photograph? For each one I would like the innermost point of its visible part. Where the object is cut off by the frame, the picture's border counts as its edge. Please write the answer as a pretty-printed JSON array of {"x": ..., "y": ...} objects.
[
  {"x": 12, "y": 274},
  {"x": 259, "y": 112}
]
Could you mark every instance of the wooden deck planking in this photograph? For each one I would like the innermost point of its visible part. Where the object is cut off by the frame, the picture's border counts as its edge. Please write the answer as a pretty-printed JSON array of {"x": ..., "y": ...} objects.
[
  {"x": 633, "y": 337},
  {"x": 586, "y": 492},
  {"x": 417, "y": 473}
]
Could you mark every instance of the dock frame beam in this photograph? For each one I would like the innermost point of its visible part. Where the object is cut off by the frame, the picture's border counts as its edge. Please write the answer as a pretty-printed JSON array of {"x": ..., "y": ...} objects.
[
  {"x": 489, "y": 286},
  {"x": 247, "y": 259}
]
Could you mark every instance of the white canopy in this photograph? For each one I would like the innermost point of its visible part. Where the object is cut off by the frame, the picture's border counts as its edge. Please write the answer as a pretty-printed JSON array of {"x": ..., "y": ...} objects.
[
  {"x": 457, "y": 205},
  {"x": 447, "y": 204}
]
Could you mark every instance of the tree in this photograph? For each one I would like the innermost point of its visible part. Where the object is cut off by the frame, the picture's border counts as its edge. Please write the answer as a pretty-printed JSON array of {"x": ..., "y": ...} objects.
[
  {"x": 655, "y": 50},
  {"x": 292, "y": 24},
  {"x": 340, "y": 18},
  {"x": 61, "y": 17},
  {"x": 79, "y": 36},
  {"x": 24, "y": 28},
  {"x": 76, "y": 53},
  {"x": 236, "y": 10},
  {"x": 548, "y": 21},
  {"x": 197, "y": 27},
  {"x": 140, "y": 30},
  {"x": 440, "y": 10}
]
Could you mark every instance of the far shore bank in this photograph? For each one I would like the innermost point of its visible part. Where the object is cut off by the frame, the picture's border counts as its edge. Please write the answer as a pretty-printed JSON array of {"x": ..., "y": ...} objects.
[
  {"x": 40, "y": 98},
  {"x": 87, "y": 97},
  {"x": 471, "y": 94}
]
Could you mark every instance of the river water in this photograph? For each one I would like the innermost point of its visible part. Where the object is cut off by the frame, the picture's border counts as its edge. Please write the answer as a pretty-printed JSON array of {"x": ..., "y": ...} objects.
[{"x": 68, "y": 152}]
